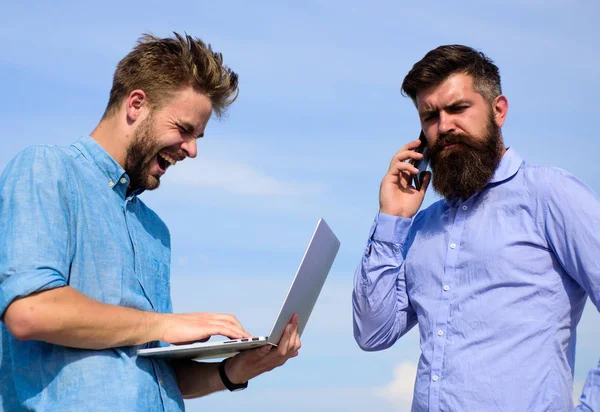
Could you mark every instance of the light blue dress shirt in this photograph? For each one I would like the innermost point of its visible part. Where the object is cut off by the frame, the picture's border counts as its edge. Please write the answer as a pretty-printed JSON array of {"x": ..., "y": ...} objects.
[
  {"x": 497, "y": 285},
  {"x": 66, "y": 219}
]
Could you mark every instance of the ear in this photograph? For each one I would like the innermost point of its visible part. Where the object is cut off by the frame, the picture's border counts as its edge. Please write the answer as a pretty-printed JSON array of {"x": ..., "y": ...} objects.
[
  {"x": 500, "y": 108},
  {"x": 135, "y": 105}
]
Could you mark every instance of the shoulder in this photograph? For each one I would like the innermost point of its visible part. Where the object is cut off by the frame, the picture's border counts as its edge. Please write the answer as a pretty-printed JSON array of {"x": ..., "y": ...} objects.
[
  {"x": 43, "y": 161},
  {"x": 561, "y": 195},
  {"x": 535, "y": 173},
  {"x": 39, "y": 172},
  {"x": 553, "y": 182}
]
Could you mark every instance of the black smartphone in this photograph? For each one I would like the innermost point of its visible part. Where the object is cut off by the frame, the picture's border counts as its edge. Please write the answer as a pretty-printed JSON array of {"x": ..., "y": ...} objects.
[{"x": 420, "y": 164}]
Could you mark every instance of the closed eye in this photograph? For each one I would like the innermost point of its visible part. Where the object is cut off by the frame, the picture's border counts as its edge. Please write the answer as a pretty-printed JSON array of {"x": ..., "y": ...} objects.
[
  {"x": 426, "y": 117},
  {"x": 189, "y": 130},
  {"x": 458, "y": 108}
]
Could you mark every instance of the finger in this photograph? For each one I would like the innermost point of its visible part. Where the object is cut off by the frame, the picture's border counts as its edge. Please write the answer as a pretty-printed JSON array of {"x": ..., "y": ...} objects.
[
  {"x": 294, "y": 342},
  {"x": 225, "y": 324},
  {"x": 293, "y": 345},
  {"x": 402, "y": 179},
  {"x": 284, "y": 343},
  {"x": 224, "y": 330},
  {"x": 232, "y": 321},
  {"x": 399, "y": 166},
  {"x": 294, "y": 339},
  {"x": 408, "y": 152},
  {"x": 413, "y": 144},
  {"x": 297, "y": 343}
]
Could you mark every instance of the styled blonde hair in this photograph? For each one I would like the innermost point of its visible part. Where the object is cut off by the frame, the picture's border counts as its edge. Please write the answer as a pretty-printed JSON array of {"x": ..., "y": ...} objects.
[{"x": 160, "y": 67}]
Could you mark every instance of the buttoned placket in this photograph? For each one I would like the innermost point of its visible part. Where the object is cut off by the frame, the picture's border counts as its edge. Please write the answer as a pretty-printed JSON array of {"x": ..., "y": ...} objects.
[
  {"x": 440, "y": 330},
  {"x": 128, "y": 206}
]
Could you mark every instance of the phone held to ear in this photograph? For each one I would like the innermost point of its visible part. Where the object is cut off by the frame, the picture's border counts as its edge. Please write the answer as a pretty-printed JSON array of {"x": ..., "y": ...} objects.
[{"x": 420, "y": 164}]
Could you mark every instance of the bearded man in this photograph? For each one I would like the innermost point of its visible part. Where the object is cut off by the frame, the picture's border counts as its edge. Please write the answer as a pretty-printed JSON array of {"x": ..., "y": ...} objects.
[
  {"x": 496, "y": 273},
  {"x": 84, "y": 263}
]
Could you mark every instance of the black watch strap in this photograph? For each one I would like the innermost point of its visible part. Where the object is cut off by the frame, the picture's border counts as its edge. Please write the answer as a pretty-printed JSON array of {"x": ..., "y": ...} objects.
[{"x": 228, "y": 384}]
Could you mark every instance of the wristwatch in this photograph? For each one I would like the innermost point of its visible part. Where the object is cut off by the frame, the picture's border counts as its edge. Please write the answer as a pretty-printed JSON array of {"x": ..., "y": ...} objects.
[{"x": 233, "y": 387}]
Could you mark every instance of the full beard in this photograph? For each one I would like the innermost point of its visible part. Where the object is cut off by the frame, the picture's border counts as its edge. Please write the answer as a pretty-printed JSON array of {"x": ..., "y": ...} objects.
[
  {"x": 465, "y": 169},
  {"x": 140, "y": 153}
]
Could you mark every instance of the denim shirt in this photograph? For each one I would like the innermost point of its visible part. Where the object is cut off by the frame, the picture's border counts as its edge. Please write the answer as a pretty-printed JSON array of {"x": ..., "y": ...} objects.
[
  {"x": 66, "y": 219},
  {"x": 497, "y": 284}
]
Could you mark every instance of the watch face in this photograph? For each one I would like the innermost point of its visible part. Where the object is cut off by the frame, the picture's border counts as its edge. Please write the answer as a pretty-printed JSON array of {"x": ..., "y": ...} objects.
[{"x": 238, "y": 389}]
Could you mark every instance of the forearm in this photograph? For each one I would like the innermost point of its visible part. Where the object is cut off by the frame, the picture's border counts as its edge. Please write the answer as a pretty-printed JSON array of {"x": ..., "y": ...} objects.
[
  {"x": 381, "y": 310},
  {"x": 379, "y": 318},
  {"x": 197, "y": 379},
  {"x": 66, "y": 317}
]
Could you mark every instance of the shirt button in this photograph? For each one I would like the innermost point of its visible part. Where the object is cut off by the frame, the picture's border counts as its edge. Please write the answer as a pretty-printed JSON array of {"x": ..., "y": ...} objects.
[
  {"x": 435, "y": 378},
  {"x": 123, "y": 180},
  {"x": 111, "y": 183},
  {"x": 160, "y": 381},
  {"x": 440, "y": 332},
  {"x": 453, "y": 246},
  {"x": 465, "y": 207},
  {"x": 446, "y": 288}
]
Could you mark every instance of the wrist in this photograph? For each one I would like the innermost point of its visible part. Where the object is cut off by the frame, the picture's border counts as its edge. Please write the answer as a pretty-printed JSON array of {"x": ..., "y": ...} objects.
[
  {"x": 398, "y": 212},
  {"x": 232, "y": 383},
  {"x": 156, "y": 326},
  {"x": 391, "y": 228},
  {"x": 234, "y": 372}
]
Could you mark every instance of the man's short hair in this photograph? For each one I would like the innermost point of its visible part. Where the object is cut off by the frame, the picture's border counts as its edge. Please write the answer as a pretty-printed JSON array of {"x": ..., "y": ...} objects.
[
  {"x": 161, "y": 67},
  {"x": 444, "y": 61}
]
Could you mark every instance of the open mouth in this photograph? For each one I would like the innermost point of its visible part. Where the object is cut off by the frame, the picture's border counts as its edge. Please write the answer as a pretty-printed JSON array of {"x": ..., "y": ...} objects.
[{"x": 165, "y": 160}]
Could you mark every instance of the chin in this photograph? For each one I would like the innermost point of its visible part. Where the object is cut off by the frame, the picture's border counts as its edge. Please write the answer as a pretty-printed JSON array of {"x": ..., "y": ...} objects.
[{"x": 152, "y": 183}]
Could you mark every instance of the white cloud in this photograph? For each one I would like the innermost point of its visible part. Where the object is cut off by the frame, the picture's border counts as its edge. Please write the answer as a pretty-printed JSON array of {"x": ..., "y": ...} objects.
[
  {"x": 400, "y": 390},
  {"x": 236, "y": 178}
]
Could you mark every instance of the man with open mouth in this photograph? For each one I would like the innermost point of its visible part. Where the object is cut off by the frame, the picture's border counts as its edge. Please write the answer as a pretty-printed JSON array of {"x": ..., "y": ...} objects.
[{"x": 84, "y": 267}]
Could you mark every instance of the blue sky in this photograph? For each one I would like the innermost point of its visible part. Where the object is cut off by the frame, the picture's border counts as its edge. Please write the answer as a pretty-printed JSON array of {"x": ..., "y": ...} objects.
[{"x": 318, "y": 118}]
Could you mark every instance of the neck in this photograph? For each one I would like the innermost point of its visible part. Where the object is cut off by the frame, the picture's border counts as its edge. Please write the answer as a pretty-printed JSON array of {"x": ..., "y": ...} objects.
[{"x": 111, "y": 136}]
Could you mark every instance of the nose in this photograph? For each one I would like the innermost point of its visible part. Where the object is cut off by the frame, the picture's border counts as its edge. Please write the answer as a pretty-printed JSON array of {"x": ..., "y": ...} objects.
[
  {"x": 190, "y": 148},
  {"x": 445, "y": 123}
]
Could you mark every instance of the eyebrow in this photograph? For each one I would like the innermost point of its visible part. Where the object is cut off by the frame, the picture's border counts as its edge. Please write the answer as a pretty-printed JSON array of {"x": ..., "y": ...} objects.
[
  {"x": 426, "y": 113},
  {"x": 189, "y": 128}
]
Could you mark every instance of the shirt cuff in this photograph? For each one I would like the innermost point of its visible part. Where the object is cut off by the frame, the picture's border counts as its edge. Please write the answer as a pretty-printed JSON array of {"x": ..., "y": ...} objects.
[
  {"x": 390, "y": 229},
  {"x": 23, "y": 284}
]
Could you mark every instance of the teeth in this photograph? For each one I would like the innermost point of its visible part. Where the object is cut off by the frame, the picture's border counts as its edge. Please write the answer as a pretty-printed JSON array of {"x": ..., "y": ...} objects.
[{"x": 168, "y": 158}]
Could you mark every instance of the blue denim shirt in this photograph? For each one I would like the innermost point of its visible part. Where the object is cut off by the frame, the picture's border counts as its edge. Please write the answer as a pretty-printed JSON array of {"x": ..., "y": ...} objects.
[
  {"x": 497, "y": 285},
  {"x": 66, "y": 219}
]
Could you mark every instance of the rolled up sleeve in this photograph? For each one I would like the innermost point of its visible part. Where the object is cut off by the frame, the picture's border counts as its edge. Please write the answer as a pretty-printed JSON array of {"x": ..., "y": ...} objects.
[{"x": 36, "y": 211}]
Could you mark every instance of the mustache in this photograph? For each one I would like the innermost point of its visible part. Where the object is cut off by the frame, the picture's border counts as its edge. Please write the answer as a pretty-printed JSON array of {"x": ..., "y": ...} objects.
[{"x": 452, "y": 138}]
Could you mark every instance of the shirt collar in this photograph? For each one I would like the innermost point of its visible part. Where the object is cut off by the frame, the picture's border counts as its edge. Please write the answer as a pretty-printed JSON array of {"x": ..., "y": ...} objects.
[
  {"x": 509, "y": 166},
  {"x": 113, "y": 172}
]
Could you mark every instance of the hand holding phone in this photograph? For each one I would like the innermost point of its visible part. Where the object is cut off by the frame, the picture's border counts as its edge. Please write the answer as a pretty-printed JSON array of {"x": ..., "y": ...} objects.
[
  {"x": 420, "y": 164},
  {"x": 397, "y": 195}
]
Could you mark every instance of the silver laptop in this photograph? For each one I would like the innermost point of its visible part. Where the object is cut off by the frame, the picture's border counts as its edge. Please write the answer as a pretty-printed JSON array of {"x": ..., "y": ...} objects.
[{"x": 300, "y": 299}]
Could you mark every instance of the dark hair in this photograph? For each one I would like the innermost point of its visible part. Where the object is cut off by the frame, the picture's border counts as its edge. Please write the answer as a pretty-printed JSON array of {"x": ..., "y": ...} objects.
[
  {"x": 444, "y": 61},
  {"x": 160, "y": 67}
]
